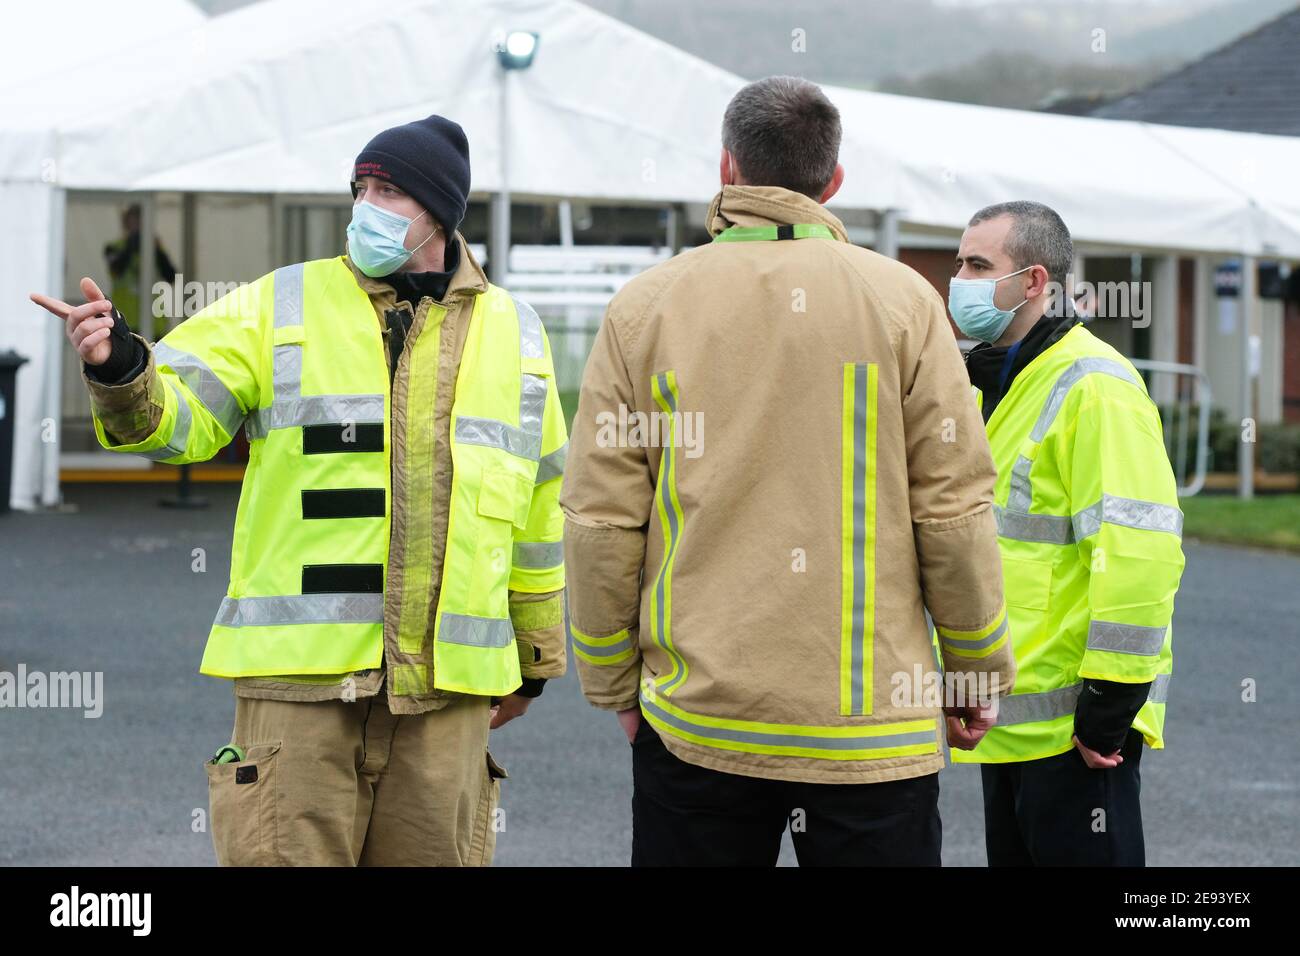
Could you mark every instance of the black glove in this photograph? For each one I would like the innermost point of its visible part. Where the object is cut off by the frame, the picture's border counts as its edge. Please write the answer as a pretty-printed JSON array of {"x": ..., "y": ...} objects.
[
  {"x": 127, "y": 360},
  {"x": 532, "y": 687},
  {"x": 1105, "y": 712}
]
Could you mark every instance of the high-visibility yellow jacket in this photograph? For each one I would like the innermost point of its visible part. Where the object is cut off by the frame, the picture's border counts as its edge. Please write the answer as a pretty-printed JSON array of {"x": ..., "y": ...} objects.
[
  {"x": 1090, "y": 533},
  {"x": 324, "y": 579}
]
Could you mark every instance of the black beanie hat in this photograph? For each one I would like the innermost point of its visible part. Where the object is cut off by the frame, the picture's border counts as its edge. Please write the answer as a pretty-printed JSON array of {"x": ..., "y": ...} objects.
[{"x": 429, "y": 159}]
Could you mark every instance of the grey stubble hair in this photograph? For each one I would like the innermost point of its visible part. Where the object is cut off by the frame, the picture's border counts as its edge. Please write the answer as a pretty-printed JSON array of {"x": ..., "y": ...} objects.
[{"x": 1038, "y": 236}]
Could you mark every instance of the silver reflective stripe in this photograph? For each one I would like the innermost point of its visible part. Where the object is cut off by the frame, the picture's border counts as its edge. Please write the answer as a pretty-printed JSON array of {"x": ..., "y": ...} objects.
[
  {"x": 476, "y": 631},
  {"x": 603, "y": 650},
  {"x": 525, "y": 439},
  {"x": 286, "y": 377},
  {"x": 1051, "y": 704},
  {"x": 286, "y": 360},
  {"x": 530, "y": 330},
  {"x": 1125, "y": 638},
  {"x": 253, "y": 425},
  {"x": 552, "y": 465},
  {"x": 661, "y": 624},
  {"x": 1129, "y": 512},
  {"x": 538, "y": 554},
  {"x": 495, "y": 434},
  {"x": 204, "y": 383},
  {"x": 315, "y": 410},
  {"x": 1047, "y": 529},
  {"x": 180, "y": 432},
  {"x": 301, "y": 609},
  {"x": 857, "y": 638},
  {"x": 807, "y": 741},
  {"x": 1159, "y": 693},
  {"x": 1020, "y": 495},
  {"x": 532, "y": 401},
  {"x": 288, "y": 295},
  {"x": 1077, "y": 370},
  {"x": 959, "y": 644},
  {"x": 1044, "y": 705}
]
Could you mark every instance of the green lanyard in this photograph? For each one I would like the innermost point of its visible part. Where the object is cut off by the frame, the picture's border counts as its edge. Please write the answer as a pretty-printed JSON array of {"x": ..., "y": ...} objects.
[{"x": 758, "y": 233}]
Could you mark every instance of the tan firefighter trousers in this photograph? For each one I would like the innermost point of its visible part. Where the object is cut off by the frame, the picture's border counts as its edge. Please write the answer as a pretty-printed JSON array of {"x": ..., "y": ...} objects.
[{"x": 346, "y": 783}]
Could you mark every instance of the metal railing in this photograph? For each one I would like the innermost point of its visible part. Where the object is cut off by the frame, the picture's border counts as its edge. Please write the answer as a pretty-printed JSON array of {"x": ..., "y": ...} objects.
[
  {"x": 1190, "y": 387},
  {"x": 570, "y": 286}
]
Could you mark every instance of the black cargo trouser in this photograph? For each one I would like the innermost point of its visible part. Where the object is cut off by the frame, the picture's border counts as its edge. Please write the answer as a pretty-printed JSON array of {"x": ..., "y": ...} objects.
[
  {"x": 1058, "y": 811},
  {"x": 684, "y": 815}
]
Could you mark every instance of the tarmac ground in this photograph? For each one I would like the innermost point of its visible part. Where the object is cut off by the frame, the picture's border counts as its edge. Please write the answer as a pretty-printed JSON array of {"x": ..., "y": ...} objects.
[{"x": 112, "y": 588}]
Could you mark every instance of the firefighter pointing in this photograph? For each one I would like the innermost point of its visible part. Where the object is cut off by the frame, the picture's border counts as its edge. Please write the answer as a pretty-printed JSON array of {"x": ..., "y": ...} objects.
[{"x": 397, "y": 577}]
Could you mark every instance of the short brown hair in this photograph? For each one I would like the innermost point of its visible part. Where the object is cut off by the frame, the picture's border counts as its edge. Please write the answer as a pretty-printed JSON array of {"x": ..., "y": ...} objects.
[
  {"x": 1038, "y": 236},
  {"x": 783, "y": 131}
]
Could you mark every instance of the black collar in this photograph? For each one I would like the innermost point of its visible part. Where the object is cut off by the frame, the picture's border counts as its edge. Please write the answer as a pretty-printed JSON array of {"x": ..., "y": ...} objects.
[
  {"x": 984, "y": 363},
  {"x": 413, "y": 286}
]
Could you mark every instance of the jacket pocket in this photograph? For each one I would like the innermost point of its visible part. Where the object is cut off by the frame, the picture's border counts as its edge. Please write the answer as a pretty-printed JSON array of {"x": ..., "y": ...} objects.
[
  {"x": 505, "y": 495},
  {"x": 1028, "y": 583},
  {"x": 502, "y": 506},
  {"x": 242, "y": 799}
]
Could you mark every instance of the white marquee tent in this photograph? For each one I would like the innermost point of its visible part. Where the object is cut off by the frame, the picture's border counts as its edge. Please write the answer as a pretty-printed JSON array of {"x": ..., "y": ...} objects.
[
  {"x": 45, "y": 37},
  {"x": 1133, "y": 185},
  {"x": 280, "y": 96}
]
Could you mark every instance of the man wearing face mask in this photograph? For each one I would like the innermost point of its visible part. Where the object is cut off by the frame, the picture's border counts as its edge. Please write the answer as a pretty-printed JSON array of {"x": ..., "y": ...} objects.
[
  {"x": 397, "y": 578},
  {"x": 1089, "y": 529}
]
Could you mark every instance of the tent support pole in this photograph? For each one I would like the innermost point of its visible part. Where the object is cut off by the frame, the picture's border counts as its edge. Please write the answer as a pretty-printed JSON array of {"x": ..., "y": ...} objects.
[
  {"x": 887, "y": 242},
  {"x": 189, "y": 244},
  {"x": 1163, "y": 311},
  {"x": 1201, "y": 303},
  {"x": 51, "y": 494},
  {"x": 1246, "y": 449},
  {"x": 148, "y": 238},
  {"x": 565, "y": 211},
  {"x": 499, "y": 251}
]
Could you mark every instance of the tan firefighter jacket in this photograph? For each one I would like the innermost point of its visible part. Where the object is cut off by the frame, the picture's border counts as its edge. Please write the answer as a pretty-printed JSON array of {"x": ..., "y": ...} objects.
[{"x": 776, "y": 468}]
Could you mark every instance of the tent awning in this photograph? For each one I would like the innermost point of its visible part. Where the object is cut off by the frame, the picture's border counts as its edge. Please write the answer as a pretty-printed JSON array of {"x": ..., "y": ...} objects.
[{"x": 281, "y": 95}]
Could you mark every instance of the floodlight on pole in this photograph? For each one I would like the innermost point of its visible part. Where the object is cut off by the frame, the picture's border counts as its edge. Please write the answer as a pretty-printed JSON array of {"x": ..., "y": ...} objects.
[{"x": 515, "y": 50}]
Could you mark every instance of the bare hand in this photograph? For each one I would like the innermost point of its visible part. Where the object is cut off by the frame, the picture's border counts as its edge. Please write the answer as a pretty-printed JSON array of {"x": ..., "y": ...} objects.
[
  {"x": 968, "y": 725},
  {"x": 509, "y": 707},
  {"x": 1096, "y": 760},
  {"x": 630, "y": 721},
  {"x": 88, "y": 326}
]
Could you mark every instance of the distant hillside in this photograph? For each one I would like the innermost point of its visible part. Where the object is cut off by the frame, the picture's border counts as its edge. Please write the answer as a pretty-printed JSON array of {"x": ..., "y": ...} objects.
[
  {"x": 1019, "y": 53},
  {"x": 953, "y": 49},
  {"x": 1029, "y": 82}
]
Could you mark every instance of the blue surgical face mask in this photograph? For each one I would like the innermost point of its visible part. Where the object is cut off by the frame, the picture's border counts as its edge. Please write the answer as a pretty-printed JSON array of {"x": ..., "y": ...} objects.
[
  {"x": 376, "y": 237},
  {"x": 971, "y": 303}
]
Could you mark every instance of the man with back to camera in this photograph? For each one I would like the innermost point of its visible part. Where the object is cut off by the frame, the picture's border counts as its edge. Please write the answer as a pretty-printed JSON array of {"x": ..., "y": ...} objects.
[
  {"x": 747, "y": 596},
  {"x": 396, "y": 584},
  {"x": 1090, "y": 533}
]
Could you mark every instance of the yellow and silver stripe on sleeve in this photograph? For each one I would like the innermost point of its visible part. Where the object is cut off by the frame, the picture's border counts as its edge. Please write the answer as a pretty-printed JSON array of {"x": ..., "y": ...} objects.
[
  {"x": 978, "y": 643},
  {"x": 603, "y": 651}
]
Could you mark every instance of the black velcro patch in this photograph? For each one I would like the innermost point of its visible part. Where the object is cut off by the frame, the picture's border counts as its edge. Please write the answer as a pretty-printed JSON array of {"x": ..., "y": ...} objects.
[
  {"x": 336, "y": 439},
  {"x": 343, "y": 503},
  {"x": 246, "y": 774},
  {"x": 343, "y": 579}
]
